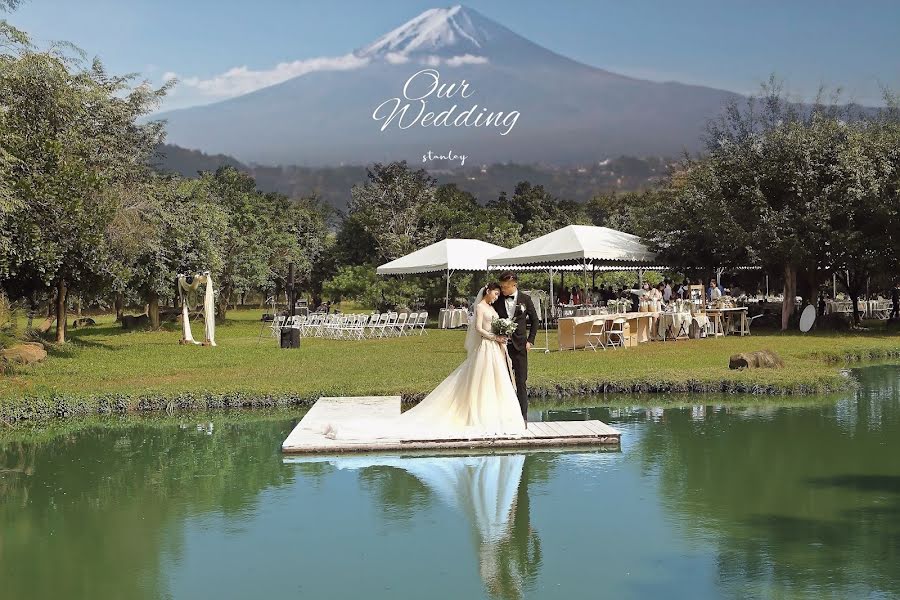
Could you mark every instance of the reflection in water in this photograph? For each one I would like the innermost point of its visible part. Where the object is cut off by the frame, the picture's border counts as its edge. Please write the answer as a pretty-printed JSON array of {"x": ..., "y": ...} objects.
[
  {"x": 760, "y": 498},
  {"x": 97, "y": 507},
  {"x": 811, "y": 495},
  {"x": 490, "y": 492}
]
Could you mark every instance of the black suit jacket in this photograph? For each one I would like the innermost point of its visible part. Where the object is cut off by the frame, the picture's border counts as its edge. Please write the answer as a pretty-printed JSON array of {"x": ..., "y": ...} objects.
[{"x": 526, "y": 319}]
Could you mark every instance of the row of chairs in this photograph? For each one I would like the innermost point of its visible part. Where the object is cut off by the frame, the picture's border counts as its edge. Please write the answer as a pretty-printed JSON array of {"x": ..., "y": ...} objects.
[
  {"x": 354, "y": 326},
  {"x": 601, "y": 336}
]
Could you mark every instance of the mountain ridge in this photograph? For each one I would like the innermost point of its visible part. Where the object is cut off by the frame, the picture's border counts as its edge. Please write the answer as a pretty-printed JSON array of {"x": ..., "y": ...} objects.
[{"x": 570, "y": 112}]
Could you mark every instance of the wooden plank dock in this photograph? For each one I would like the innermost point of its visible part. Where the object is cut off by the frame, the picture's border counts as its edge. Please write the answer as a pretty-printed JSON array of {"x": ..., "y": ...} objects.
[{"x": 306, "y": 438}]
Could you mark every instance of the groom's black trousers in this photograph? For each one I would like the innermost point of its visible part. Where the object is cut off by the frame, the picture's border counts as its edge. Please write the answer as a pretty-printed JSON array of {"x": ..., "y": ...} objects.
[{"x": 519, "y": 360}]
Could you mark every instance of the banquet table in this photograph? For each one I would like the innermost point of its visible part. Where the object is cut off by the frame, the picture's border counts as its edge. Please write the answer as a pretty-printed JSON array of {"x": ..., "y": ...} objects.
[
  {"x": 672, "y": 325},
  {"x": 451, "y": 318},
  {"x": 572, "y": 331}
]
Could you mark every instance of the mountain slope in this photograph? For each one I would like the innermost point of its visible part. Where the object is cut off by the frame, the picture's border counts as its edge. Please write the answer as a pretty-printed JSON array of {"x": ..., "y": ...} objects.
[{"x": 569, "y": 112}]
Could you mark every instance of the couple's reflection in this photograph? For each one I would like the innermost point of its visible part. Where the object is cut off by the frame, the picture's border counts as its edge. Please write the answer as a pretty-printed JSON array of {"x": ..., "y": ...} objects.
[{"x": 489, "y": 491}]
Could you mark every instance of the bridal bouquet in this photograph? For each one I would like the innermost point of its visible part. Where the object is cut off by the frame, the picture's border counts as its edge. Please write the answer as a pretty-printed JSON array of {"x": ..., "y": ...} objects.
[{"x": 503, "y": 327}]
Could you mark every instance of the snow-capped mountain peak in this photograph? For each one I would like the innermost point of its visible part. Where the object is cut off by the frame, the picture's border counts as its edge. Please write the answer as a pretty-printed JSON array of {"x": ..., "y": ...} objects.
[{"x": 441, "y": 32}]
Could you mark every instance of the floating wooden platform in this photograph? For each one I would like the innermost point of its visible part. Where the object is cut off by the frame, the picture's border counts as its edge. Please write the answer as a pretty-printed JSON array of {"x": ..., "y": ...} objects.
[{"x": 307, "y": 439}]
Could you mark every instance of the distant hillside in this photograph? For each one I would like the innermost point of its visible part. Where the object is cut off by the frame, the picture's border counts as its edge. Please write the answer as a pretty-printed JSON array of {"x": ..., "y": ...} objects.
[
  {"x": 570, "y": 112},
  {"x": 333, "y": 184},
  {"x": 187, "y": 163}
]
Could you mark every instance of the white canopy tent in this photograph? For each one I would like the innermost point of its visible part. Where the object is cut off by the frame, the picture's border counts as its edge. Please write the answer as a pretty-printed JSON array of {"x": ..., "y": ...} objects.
[
  {"x": 446, "y": 256},
  {"x": 578, "y": 247},
  {"x": 585, "y": 246}
]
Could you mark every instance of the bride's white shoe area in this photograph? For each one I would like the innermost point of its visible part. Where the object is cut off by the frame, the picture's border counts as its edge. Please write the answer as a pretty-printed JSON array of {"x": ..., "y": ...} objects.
[{"x": 366, "y": 424}]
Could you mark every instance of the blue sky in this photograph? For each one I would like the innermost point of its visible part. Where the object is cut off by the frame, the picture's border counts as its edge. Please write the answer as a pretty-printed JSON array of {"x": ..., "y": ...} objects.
[{"x": 730, "y": 45}]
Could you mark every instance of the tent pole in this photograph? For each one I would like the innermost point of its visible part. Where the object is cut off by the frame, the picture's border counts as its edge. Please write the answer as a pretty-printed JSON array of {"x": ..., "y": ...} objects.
[
  {"x": 585, "y": 281},
  {"x": 767, "y": 287},
  {"x": 447, "y": 295},
  {"x": 547, "y": 316}
]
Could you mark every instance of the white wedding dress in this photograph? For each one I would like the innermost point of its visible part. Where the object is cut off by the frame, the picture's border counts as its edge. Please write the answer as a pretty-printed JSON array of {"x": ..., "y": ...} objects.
[{"x": 477, "y": 399}]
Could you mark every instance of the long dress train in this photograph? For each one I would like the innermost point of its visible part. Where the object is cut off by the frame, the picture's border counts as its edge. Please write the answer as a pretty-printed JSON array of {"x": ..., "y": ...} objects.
[{"x": 477, "y": 399}]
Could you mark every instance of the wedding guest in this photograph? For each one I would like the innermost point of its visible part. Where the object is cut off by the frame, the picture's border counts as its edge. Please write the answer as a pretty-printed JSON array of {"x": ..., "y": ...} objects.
[
  {"x": 564, "y": 296},
  {"x": 714, "y": 292},
  {"x": 656, "y": 293},
  {"x": 576, "y": 296},
  {"x": 667, "y": 290}
]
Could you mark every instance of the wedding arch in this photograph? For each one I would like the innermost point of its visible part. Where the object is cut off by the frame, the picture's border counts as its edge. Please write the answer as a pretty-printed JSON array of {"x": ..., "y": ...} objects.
[{"x": 188, "y": 286}]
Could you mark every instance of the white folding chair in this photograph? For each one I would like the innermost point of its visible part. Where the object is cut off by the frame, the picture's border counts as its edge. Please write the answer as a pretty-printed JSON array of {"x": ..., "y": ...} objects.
[
  {"x": 359, "y": 328},
  {"x": 615, "y": 333},
  {"x": 400, "y": 325},
  {"x": 595, "y": 337},
  {"x": 383, "y": 324},
  {"x": 410, "y": 324},
  {"x": 277, "y": 324},
  {"x": 423, "y": 320},
  {"x": 371, "y": 325}
]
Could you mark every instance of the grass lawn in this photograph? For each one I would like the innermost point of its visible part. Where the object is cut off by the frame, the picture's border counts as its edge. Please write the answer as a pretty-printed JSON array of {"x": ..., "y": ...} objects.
[{"x": 151, "y": 370}]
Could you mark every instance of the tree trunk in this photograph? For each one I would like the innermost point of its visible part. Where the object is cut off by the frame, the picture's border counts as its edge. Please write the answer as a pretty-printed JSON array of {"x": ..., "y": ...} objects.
[
  {"x": 790, "y": 292},
  {"x": 854, "y": 298},
  {"x": 51, "y": 317},
  {"x": 61, "y": 294},
  {"x": 222, "y": 304},
  {"x": 153, "y": 309},
  {"x": 119, "y": 304}
]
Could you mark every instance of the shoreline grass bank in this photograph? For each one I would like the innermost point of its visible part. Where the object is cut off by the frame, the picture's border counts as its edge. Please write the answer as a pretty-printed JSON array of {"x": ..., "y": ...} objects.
[{"x": 105, "y": 370}]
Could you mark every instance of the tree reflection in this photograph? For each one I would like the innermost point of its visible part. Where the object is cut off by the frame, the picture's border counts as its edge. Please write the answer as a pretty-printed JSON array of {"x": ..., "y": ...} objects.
[
  {"x": 86, "y": 514},
  {"x": 795, "y": 497}
]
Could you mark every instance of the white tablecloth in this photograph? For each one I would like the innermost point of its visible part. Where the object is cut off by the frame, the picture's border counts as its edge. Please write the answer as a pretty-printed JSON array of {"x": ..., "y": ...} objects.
[
  {"x": 451, "y": 318},
  {"x": 674, "y": 320}
]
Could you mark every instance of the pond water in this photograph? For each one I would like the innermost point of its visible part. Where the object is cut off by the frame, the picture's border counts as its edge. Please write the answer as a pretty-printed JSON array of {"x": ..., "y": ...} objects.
[{"x": 764, "y": 498}]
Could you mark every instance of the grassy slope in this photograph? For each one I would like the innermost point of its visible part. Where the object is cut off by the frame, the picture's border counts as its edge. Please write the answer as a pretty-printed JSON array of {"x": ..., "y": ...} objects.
[{"x": 105, "y": 360}]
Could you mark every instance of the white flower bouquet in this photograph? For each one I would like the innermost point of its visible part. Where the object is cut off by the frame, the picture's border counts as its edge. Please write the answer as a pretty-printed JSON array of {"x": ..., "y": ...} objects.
[{"x": 503, "y": 327}]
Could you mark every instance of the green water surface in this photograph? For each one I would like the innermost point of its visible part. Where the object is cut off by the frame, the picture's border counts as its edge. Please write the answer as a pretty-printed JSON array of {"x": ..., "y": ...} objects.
[{"x": 707, "y": 498}]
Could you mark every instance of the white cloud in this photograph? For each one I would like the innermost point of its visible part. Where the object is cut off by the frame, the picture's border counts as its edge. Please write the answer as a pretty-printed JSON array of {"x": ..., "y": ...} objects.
[
  {"x": 396, "y": 58},
  {"x": 194, "y": 90},
  {"x": 454, "y": 61},
  {"x": 465, "y": 59},
  {"x": 241, "y": 80}
]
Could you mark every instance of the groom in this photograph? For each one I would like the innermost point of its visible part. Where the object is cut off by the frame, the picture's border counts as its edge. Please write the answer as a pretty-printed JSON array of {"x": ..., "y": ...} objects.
[{"x": 515, "y": 305}]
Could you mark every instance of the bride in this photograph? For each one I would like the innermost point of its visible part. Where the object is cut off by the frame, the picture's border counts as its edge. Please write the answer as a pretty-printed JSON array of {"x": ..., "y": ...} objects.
[{"x": 478, "y": 398}]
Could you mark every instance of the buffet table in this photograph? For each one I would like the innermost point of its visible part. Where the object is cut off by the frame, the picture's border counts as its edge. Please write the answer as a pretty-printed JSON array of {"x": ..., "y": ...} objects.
[
  {"x": 451, "y": 318},
  {"x": 572, "y": 331},
  {"x": 672, "y": 325}
]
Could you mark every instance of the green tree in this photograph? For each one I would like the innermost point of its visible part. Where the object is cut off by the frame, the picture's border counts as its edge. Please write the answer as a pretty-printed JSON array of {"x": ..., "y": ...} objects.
[
  {"x": 778, "y": 189},
  {"x": 246, "y": 249},
  {"x": 388, "y": 207},
  {"x": 69, "y": 133}
]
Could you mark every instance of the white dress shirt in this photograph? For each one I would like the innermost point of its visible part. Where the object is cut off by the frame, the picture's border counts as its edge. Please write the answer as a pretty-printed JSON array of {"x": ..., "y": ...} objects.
[{"x": 511, "y": 304}]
